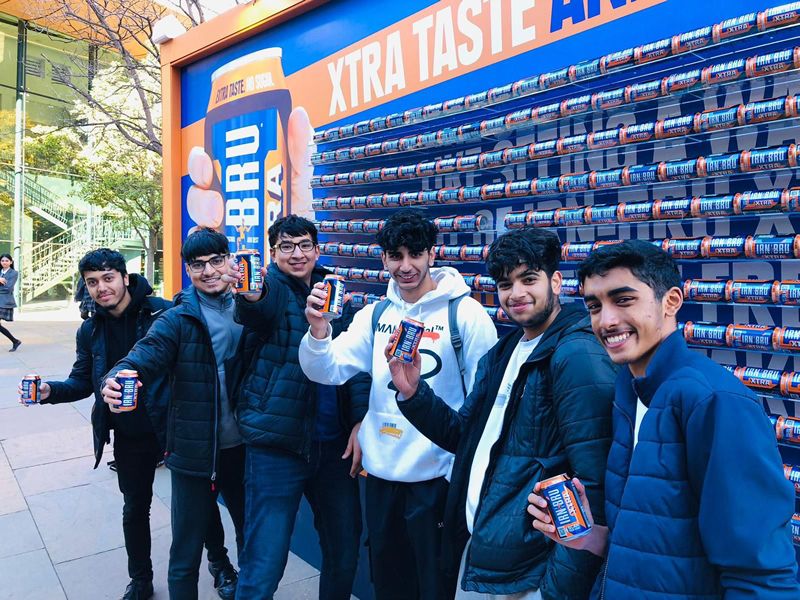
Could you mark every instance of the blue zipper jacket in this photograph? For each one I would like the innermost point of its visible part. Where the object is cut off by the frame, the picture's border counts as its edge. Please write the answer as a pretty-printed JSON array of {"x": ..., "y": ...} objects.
[{"x": 700, "y": 509}]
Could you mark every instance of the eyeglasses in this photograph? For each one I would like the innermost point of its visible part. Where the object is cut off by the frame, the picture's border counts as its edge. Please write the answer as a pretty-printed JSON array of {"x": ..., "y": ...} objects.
[
  {"x": 198, "y": 266},
  {"x": 288, "y": 247}
]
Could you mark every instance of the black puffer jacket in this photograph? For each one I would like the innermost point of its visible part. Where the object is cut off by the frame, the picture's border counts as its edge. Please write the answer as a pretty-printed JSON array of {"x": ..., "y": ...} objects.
[
  {"x": 558, "y": 419},
  {"x": 277, "y": 405},
  {"x": 90, "y": 365},
  {"x": 179, "y": 346}
]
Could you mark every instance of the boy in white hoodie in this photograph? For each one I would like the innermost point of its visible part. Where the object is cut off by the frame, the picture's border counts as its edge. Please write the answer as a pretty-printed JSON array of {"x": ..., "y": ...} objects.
[{"x": 406, "y": 486}]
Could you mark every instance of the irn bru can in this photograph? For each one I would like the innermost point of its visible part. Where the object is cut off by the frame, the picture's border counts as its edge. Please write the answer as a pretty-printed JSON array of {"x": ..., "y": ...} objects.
[
  {"x": 750, "y": 291},
  {"x": 249, "y": 263},
  {"x": 407, "y": 340},
  {"x": 786, "y": 292},
  {"x": 792, "y": 473},
  {"x": 704, "y": 290},
  {"x": 564, "y": 506},
  {"x": 750, "y": 337},
  {"x": 767, "y": 246},
  {"x": 246, "y": 132},
  {"x": 705, "y": 334},
  {"x": 788, "y": 430},
  {"x": 734, "y": 27},
  {"x": 790, "y": 384},
  {"x": 723, "y": 247},
  {"x": 334, "y": 299},
  {"x": 787, "y": 338},
  {"x": 768, "y": 380},
  {"x": 30, "y": 389},
  {"x": 779, "y": 16},
  {"x": 128, "y": 380}
]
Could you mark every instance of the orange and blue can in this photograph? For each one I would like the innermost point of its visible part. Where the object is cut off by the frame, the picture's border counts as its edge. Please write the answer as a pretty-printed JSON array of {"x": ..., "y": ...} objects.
[
  {"x": 575, "y": 105},
  {"x": 573, "y": 183},
  {"x": 792, "y": 473},
  {"x": 675, "y": 170},
  {"x": 790, "y": 384},
  {"x": 615, "y": 60},
  {"x": 680, "y": 82},
  {"x": 672, "y": 209},
  {"x": 788, "y": 429},
  {"x": 643, "y": 132},
  {"x": 790, "y": 200},
  {"x": 249, "y": 265},
  {"x": 601, "y": 214},
  {"x": 407, "y": 340},
  {"x": 640, "y": 92},
  {"x": 586, "y": 69},
  {"x": 611, "y": 178},
  {"x": 769, "y": 110},
  {"x": 704, "y": 290},
  {"x": 640, "y": 174},
  {"x": 786, "y": 292},
  {"x": 570, "y": 217},
  {"x": 723, "y": 247},
  {"x": 691, "y": 40},
  {"x": 607, "y": 138},
  {"x": 629, "y": 212},
  {"x": 749, "y": 291},
  {"x": 767, "y": 380},
  {"x": 683, "y": 248},
  {"x": 542, "y": 218},
  {"x": 750, "y": 337},
  {"x": 724, "y": 72},
  {"x": 714, "y": 206},
  {"x": 766, "y": 159},
  {"x": 773, "y": 247},
  {"x": 565, "y": 508},
  {"x": 334, "y": 297},
  {"x": 652, "y": 51},
  {"x": 705, "y": 334},
  {"x": 674, "y": 126},
  {"x": 723, "y": 118},
  {"x": 758, "y": 201},
  {"x": 576, "y": 250},
  {"x": 609, "y": 99},
  {"x": 128, "y": 380},
  {"x": 787, "y": 339},
  {"x": 734, "y": 27},
  {"x": 774, "y": 62},
  {"x": 31, "y": 385}
]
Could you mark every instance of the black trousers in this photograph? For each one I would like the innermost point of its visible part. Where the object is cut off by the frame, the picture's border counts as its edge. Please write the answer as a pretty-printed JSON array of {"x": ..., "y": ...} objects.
[
  {"x": 194, "y": 509},
  {"x": 404, "y": 522},
  {"x": 136, "y": 462}
]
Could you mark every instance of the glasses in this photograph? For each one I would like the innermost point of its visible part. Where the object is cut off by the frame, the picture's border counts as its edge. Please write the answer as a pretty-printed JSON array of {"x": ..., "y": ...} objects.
[
  {"x": 288, "y": 247},
  {"x": 198, "y": 266}
]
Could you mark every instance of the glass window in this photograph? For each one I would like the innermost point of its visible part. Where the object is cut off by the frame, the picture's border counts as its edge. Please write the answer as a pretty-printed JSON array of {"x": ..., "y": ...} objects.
[{"x": 53, "y": 62}]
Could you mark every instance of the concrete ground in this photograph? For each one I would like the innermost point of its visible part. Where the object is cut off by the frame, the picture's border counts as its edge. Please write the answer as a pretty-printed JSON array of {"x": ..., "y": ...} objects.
[{"x": 60, "y": 520}]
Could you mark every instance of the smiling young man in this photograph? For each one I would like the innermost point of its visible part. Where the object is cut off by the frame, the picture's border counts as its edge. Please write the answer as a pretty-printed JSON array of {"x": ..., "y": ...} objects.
[
  {"x": 406, "y": 486},
  {"x": 300, "y": 436},
  {"x": 696, "y": 500},
  {"x": 540, "y": 406},
  {"x": 125, "y": 309},
  {"x": 200, "y": 349}
]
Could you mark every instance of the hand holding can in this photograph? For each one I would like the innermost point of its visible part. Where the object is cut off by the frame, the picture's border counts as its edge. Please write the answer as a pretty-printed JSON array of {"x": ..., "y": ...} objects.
[{"x": 29, "y": 389}]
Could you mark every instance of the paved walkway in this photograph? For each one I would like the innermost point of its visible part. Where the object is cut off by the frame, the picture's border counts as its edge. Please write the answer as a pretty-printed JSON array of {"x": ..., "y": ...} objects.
[{"x": 60, "y": 520}]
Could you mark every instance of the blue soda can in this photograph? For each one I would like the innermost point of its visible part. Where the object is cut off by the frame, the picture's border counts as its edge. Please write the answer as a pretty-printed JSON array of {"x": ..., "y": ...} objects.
[
  {"x": 389, "y": 173},
  {"x": 428, "y": 139},
  {"x": 573, "y": 143},
  {"x": 484, "y": 283},
  {"x": 394, "y": 120},
  {"x": 407, "y": 171},
  {"x": 554, "y": 78},
  {"x": 453, "y": 105},
  {"x": 704, "y": 290},
  {"x": 358, "y": 177},
  {"x": 792, "y": 473},
  {"x": 790, "y": 384},
  {"x": 525, "y": 86},
  {"x": 769, "y": 158},
  {"x": 585, "y": 70},
  {"x": 329, "y": 248},
  {"x": 128, "y": 379},
  {"x": 768, "y": 380},
  {"x": 409, "y": 198},
  {"x": 714, "y": 206},
  {"x": 599, "y": 180},
  {"x": 542, "y": 218},
  {"x": 548, "y": 112},
  {"x": 652, "y": 51},
  {"x": 517, "y": 118},
  {"x": 469, "y": 193},
  {"x": 476, "y": 100},
  {"x": 786, "y": 293},
  {"x": 790, "y": 200},
  {"x": 342, "y": 154},
  {"x": 572, "y": 251},
  {"x": 596, "y": 215},
  {"x": 516, "y": 189},
  {"x": 492, "y": 126},
  {"x": 374, "y": 201},
  {"x": 412, "y": 115},
  {"x": 515, "y": 155},
  {"x": 545, "y": 185},
  {"x": 724, "y": 72},
  {"x": 608, "y": 138},
  {"x": 564, "y": 506},
  {"x": 445, "y": 224},
  {"x": 357, "y": 152},
  {"x": 500, "y": 93},
  {"x": 719, "y": 164},
  {"x": 769, "y": 110},
  {"x": 346, "y": 249},
  {"x": 425, "y": 169},
  {"x": 570, "y": 287},
  {"x": 683, "y": 248},
  {"x": 373, "y": 175},
  {"x": 705, "y": 334},
  {"x": 723, "y": 247},
  {"x": 361, "y": 127},
  {"x": 775, "y": 62},
  {"x": 346, "y": 131},
  {"x": 330, "y": 203},
  {"x": 615, "y": 60},
  {"x": 712, "y": 120},
  {"x": 429, "y": 111},
  {"x": 429, "y": 197},
  {"x": 447, "y": 136},
  {"x": 608, "y": 99},
  {"x": 679, "y": 82},
  {"x": 640, "y": 92},
  {"x": 408, "y": 339},
  {"x": 390, "y": 146},
  {"x": 575, "y": 105},
  {"x": 787, "y": 338},
  {"x": 327, "y": 225},
  {"x": 391, "y": 200},
  {"x": 637, "y": 211},
  {"x": 632, "y": 134},
  {"x": 467, "y": 163},
  {"x": 639, "y": 174},
  {"x": 570, "y": 217},
  {"x": 490, "y": 159},
  {"x": 675, "y": 170},
  {"x": 749, "y": 291},
  {"x": 759, "y": 201},
  {"x": 447, "y": 195},
  {"x": 445, "y": 165},
  {"x": 474, "y": 253},
  {"x": 675, "y": 126},
  {"x": 373, "y": 225},
  {"x": 516, "y": 220},
  {"x": 377, "y": 124},
  {"x": 734, "y": 27},
  {"x": 452, "y": 253},
  {"x": 691, "y": 40},
  {"x": 750, "y": 337},
  {"x": 779, "y": 16},
  {"x": 573, "y": 183},
  {"x": 341, "y": 226},
  {"x": 542, "y": 149},
  {"x": 410, "y": 142},
  {"x": 493, "y": 191},
  {"x": 774, "y": 247},
  {"x": 672, "y": 209}
]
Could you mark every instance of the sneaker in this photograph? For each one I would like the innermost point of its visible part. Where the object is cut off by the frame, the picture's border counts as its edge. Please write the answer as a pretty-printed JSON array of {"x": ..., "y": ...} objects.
[
  {"x": 138, "y": 590},
  {"x": 15, "y": 344},
  {"x": 225, "y": 579}
]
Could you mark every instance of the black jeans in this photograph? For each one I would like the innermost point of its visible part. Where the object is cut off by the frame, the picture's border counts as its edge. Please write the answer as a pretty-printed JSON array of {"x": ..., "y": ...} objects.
[
  {"x": 404, "y": 522},
  {"x": 194, "y": 508},
  {"x": 136, "y": 462}
]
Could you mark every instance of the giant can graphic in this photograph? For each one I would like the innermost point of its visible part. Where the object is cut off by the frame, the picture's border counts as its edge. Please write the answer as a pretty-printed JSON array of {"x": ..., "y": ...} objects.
[{"x": 246, "y": 137}]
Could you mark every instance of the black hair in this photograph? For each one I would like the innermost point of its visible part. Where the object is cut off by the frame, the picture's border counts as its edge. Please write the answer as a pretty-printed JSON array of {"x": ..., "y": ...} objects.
[
  {"x": 407, "y": 227},
  {"x": 9, "y": 257},
  {"x": 538, "y": 249},
  {"x": 291, "y": 226},
  {"x": 103, "y": 259},
  {"x": 203, "y": 242},
  {"x": 648, "y": 263}
]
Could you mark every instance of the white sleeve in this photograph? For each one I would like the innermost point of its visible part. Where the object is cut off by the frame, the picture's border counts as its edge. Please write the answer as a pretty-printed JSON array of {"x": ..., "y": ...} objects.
[
  {"x": 334, "y": 362},
  {"x": 478, "y": 335}
]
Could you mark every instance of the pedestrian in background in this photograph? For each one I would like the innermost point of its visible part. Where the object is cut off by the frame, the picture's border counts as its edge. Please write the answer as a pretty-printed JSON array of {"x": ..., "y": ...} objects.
[{"x": 8, "y": 277}]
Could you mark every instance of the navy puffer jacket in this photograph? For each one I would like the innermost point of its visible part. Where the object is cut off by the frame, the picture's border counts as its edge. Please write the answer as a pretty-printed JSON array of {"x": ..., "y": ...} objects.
[{"x": 700, "y": 509}]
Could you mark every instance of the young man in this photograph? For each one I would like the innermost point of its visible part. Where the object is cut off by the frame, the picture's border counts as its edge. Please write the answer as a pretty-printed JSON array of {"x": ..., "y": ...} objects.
[
  {"x": 199, "y": 348},
  {"x": 406, "y": 486},
  {"x": 300, "y": 436},
  {"x": 125, "y": 309},
  {"x": 540, "y": 406},
  {"x": 696, "y": 500}
]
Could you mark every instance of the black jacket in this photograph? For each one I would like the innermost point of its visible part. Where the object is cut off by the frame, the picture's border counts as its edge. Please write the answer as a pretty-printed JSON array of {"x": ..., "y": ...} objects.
[
  {"x": 558, "y": 419},
  {"x": 90, "y": 365},
  {"x": 277, "y": 404},
  {"x": 178, "y": 346}
]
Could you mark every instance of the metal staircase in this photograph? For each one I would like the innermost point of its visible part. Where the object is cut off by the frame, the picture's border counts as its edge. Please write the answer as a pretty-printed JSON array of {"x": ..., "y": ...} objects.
[{"x": 39, "y": 200}]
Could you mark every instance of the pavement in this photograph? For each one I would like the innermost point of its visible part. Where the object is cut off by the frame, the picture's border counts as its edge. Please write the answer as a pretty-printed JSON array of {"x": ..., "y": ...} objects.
[{"x": 61, "y": 520}]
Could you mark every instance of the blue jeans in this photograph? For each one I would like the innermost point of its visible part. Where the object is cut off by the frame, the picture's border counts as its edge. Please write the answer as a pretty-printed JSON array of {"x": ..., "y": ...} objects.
[{"x": 275, "y": 482}]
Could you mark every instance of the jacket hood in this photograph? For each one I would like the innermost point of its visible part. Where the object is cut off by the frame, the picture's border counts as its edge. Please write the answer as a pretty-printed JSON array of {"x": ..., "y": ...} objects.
[
  {"x": 449, "y": 284},
  {"x": 138, "y": 288}
]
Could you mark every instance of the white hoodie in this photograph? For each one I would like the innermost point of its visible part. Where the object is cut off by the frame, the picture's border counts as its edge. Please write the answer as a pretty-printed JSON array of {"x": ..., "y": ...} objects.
[{"x": 392, "y": 448}]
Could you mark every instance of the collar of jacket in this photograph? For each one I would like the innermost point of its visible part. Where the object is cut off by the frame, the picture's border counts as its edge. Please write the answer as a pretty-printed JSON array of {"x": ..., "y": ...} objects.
[
  {"x": 189, "y": 299},
  {"x": 665, "y": 359},
  {"x": 293, "y": 283},
  {"x": 570, "y": 318}
]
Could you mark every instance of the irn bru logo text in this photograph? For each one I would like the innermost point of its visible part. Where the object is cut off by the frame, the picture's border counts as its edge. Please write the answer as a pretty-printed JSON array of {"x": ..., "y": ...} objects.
[{"x": 448, "y": 39}]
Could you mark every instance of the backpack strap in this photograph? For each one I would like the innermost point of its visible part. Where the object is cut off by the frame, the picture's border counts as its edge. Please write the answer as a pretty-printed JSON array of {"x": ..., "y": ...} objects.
[
  {"x": 380, "y": 308},
  {"x": 455, "y": 339}
]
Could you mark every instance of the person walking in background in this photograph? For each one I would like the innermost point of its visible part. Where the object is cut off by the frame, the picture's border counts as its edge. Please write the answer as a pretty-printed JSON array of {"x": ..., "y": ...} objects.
[
  {"x": 86, "y": 303},
  {"x": 8, "y": 277}
]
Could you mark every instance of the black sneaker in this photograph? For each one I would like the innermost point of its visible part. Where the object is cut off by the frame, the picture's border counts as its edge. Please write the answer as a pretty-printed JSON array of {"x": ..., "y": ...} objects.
[
  {"x": 225, "y": 579},
  {"x": 138, "y": 590}
]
